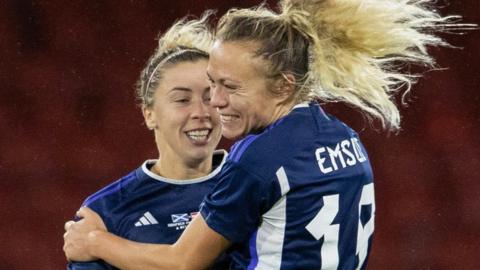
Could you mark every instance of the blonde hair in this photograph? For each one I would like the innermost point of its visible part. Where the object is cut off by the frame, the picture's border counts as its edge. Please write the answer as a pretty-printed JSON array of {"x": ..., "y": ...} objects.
[
  {"x": 345, "y": 50},
  {"x": 185, "y": 41}
]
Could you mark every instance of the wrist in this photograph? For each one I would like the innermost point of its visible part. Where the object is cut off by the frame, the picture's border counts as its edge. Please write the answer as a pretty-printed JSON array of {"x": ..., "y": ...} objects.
[{"x": 94, "y": 243}]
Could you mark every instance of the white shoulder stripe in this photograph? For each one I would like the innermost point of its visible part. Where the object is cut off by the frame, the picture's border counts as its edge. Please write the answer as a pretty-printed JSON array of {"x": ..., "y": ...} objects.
[
  {"x": 283, "y": 181},
  {"x": 271, "y": 233}
]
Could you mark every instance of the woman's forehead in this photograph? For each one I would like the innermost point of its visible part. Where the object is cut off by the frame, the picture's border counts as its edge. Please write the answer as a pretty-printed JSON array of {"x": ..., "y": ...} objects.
[
  {"x": 188, "y": 75},
  {"x": 234, "y": 60}
]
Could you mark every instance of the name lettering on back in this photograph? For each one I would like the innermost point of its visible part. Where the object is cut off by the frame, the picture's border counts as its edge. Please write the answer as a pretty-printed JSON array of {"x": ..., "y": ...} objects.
[{"x": 344, "y": 154}]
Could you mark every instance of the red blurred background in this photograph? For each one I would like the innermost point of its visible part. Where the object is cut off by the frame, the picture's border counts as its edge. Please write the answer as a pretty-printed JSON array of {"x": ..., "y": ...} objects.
[{"x": 70, "y": 126}]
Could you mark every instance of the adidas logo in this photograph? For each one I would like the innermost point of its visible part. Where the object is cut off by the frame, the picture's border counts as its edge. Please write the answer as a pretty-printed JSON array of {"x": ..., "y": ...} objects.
[{"x": 146, "y": 219}]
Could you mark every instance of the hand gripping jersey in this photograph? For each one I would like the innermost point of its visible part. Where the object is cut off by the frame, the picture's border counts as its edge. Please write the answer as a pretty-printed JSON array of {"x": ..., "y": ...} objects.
[
  {"x": 148, "y": 208},
  {"x": 299, "y": 195}
]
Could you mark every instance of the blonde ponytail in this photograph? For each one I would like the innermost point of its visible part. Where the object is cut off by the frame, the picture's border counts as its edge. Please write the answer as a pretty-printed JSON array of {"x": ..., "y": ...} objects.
[{"x": 359, "y": 46}]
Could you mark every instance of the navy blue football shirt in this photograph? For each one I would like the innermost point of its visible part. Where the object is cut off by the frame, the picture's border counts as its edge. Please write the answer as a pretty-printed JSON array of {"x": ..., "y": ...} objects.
[
  {"x": 145, "y": 207},
  {"x": 299, "y": 195}
]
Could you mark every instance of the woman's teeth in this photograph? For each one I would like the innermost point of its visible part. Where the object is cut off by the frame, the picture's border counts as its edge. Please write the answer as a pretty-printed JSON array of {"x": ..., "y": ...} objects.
[
  {"x": 226, "y": 118},
  {"x": 198, "y": 135}
]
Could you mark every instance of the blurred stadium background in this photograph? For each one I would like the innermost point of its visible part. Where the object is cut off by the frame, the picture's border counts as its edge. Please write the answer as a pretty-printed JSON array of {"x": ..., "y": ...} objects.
[{"x": 69, "y": 125}]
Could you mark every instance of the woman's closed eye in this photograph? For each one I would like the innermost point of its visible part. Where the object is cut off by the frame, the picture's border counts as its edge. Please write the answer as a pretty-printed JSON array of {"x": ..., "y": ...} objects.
[
  {"x": 182, "y": 100},
  {"x": 231, "y": 87}
]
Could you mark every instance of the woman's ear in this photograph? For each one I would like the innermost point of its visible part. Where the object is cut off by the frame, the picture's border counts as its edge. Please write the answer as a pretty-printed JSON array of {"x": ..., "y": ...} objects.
[
  {"x": 285, "y": 86},
  {"x": 149, "y": 116},
  {"x": 288, "y": 83}
]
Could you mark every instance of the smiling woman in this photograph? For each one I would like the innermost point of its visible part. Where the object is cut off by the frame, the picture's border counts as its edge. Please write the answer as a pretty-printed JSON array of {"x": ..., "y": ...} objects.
[
  {"x": 174, "y": 95},
  {"x": 186, "y": 127},
  {"x": 251, "y": 107}
]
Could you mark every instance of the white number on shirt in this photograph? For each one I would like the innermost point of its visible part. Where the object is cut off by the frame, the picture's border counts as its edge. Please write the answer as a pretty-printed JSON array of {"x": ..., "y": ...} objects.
[{"x": 321, "y": 226}]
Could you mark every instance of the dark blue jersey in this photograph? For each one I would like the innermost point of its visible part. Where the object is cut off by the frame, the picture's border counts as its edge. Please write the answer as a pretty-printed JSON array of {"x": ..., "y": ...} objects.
[
  {"x": 148, "y": 208},
  {"x": 299, "y": 195}
]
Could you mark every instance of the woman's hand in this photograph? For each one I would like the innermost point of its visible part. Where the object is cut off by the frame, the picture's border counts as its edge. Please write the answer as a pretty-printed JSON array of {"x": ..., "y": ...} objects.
[{"x": 79, "y": 237}]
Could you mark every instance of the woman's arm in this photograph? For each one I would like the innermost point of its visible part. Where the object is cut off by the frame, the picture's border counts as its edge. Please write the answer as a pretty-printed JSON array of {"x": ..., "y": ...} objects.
[{"x": 197, "y": 248}]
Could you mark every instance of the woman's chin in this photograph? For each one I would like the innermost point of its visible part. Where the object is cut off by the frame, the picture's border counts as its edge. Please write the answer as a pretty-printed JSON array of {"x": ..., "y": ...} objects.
[{"x": 232, "y": 134}]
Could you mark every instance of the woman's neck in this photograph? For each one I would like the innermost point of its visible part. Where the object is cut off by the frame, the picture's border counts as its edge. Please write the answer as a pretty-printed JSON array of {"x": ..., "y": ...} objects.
[{"x": 281, "y": 110}]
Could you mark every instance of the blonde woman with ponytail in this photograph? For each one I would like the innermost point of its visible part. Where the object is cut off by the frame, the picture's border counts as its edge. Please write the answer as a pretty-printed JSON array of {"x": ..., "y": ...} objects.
[{"x": 297, "y": 189}]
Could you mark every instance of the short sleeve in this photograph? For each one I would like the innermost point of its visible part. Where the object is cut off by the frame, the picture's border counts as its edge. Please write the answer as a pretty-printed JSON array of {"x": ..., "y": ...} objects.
[
  {"x": 98, "y": 207},
  {"x": 235, "y": 205}
]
